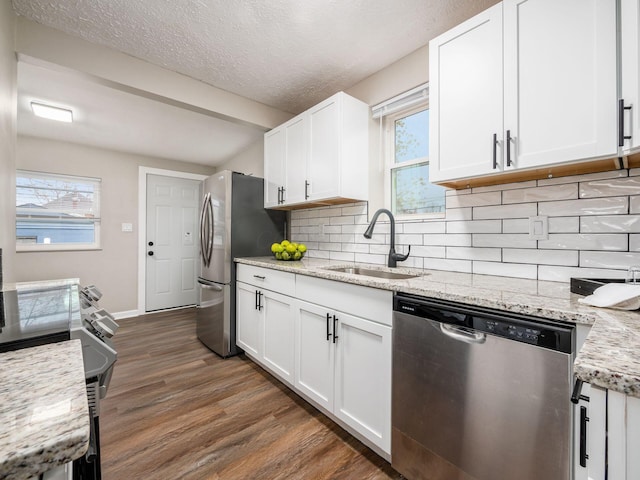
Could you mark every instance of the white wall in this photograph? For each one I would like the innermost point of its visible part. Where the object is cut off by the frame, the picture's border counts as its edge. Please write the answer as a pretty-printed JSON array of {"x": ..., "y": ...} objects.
[
  {"x": 8, "y": 112},
  {"x": 250, "y": 161},
  {"x": 114, "y": 268}
]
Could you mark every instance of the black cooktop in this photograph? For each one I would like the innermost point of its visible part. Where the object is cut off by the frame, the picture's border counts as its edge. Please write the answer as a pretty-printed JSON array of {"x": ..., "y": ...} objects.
[{"x": 37, "y": 314}]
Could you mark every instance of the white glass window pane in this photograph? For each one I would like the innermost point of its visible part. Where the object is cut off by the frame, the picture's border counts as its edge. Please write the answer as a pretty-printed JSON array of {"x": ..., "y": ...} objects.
[
  {"x": 56, "y": 209},
  {"x": 411, "y": 192},
  {"x": 412, "y": 137}
]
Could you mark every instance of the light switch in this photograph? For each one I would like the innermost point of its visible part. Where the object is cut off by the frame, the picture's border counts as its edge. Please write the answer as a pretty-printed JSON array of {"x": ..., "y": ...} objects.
[
  {"x": 127, "y": 227},
  {"x": 539, "y": 228}
]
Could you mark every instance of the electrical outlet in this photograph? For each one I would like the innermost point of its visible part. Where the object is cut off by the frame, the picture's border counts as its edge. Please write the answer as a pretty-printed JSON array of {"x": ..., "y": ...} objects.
[{"x": 539, "y": 228}]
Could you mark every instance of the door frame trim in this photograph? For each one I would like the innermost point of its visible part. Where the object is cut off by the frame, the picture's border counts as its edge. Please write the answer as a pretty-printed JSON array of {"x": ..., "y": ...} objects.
[{"x": 143, "y": 172}]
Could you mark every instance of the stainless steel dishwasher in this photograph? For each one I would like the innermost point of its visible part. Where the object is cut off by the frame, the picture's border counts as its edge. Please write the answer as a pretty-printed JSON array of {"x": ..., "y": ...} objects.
[{"x": 479, "y": 394}]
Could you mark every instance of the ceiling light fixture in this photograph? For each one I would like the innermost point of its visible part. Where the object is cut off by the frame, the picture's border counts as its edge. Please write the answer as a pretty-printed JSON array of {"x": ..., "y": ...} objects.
[{"x": 52, "y": 113}]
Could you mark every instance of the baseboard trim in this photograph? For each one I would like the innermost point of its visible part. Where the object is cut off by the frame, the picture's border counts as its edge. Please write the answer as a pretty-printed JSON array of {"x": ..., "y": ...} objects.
[{"x": 125, "y": 314}]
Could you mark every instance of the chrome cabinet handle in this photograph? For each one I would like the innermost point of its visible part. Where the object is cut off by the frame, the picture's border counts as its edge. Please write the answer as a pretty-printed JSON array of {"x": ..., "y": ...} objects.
[
  {"x": 306, "y": 190},
  {"x": 509, "y": 162},
  {"x": 261, "y": 277},
  {"x": 495, "y": 151}
]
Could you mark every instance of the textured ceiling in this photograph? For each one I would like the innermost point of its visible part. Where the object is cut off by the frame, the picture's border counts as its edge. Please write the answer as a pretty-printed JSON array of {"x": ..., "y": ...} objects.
[{"x": 289, "y": 54}]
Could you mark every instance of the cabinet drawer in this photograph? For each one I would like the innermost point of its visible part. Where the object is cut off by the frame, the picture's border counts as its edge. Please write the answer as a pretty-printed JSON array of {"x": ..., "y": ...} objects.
[
  {"x": 366, "y": 302},
  {"x": 275, "y": 280}
]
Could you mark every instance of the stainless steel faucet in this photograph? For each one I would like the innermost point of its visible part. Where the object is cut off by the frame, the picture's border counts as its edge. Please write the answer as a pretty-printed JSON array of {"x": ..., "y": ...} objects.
[{"x": 393, "y": 256}]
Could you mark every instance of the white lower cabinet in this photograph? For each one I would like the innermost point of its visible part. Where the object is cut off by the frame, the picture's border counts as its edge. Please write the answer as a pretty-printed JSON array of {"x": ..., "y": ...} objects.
[
  {"x": 265, "y": 319},
  {"x": 343, "y": 360},
  {"x": 331, "y": 341}
]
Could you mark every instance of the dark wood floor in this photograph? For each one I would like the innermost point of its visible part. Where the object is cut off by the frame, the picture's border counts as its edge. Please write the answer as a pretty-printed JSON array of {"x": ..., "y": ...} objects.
[{"x": 175, "y": 410}]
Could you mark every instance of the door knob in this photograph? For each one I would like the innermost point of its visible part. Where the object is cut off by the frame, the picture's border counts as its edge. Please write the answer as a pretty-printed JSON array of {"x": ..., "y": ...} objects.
[
  {"x": 151, "y": 244},
  {"x": 150, "y": 254}
]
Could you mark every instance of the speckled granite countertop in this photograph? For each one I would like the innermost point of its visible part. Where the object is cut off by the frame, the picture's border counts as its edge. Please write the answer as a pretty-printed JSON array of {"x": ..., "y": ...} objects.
[
  {"x": 44, "y": 416},
  {"x": 610, "y": 357}
]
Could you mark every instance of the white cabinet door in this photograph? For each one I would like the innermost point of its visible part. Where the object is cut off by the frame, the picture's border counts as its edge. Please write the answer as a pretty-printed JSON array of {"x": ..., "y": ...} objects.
[
  {"x": 559, "y": 80},
  {"x": 274, "y": 160},
  {"x": 630, "y": 72},
  {"x": 296, "y": 159},
  {"x": 248, "y": 319},
  {"x": 324, "y": 149},
  {"x": 315, "y": 353},
  {"x": 363, "y": 378},
  {"x": 278, "y": 347},
  {"x": 465, "y": 98}
]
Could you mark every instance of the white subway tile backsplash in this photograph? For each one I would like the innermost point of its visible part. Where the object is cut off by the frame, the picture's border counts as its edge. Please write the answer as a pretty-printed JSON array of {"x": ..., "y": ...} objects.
[
  {"x": 594, "y": 228},
  {"x": 540, "y": 257},
  {"x": 474, "y": 226},
  {"x": 360, "y": 209},
  {"x": 515, "y": 225},
  {"x": 591, "y": 206},
  {"x": 424, "y": 227},
  {"x": 506, "y": 211},
  {"x": 458, "y": 213},
  {"x": 585, "y": 241},
  {"x": 610, "y": 188},
  {"x": 448, "y": 264},
  {"x": 610, "y": 223},
  {"x": 343, "y": 256},
  {"x": 428, "y": 251},
  {"x": 611, "y": 260},
  {"x": 348, "y": 220},
  {"x": 409, "y": 239},
  {"x": 564, "y": 224},
  {"x": 567, "y": 191},
  {"x": 369, "y": 258},
  {"x": 461, "y": 240},
  {"x": 470, "y": 253},
  {"x": 505, "y": 269},
  {"x": 508, "y": 186},
  {"x": 506, "y": 240},
  {"x": 583, "y": 178},
  {"x": 564, "y": 274},
  {"x": 356, "y": 248},
  {"x": 452, "y": 193},
  {"x": 473, "y": 200}
]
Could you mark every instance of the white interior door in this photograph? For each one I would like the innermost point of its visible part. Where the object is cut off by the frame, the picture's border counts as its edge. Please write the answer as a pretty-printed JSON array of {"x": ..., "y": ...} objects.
[{"x": 172, "y": 242}]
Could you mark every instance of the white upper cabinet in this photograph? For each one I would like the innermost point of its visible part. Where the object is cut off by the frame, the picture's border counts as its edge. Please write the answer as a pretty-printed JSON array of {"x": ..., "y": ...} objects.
[
  {"x": 630, "y": 75},
  {"x": 325, "y": 155},
  {"x": 274, "y": 155},
  {"x": 525, "y": 84},
  {"x": 559, "y": 81},
  {"x": 465, "y": 98}
]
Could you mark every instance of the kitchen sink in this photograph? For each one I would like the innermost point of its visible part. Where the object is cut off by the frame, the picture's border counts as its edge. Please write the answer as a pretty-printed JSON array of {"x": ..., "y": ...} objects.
[{"x": 373, "y": 273}]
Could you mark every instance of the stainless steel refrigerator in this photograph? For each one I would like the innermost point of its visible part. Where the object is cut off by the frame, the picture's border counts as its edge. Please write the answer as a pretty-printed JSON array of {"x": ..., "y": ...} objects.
[{"x": 233, "y": 223}]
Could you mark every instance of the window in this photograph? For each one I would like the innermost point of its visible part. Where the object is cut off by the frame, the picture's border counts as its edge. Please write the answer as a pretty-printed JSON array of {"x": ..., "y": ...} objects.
[
  {"x": 57, "y": 212},
  {"x": 408, "y": 165}
]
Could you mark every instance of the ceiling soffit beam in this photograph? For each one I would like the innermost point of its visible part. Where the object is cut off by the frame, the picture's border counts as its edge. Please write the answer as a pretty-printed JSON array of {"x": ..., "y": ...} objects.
[{"x": 46, "y": 46}]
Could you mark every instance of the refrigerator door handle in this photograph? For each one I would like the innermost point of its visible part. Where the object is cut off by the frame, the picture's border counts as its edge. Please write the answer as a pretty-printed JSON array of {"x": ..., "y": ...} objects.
[
  {"x": 209, "y": 285},
  {"x": 207, "y": 230},
  {"x": 202, "y": 240}
]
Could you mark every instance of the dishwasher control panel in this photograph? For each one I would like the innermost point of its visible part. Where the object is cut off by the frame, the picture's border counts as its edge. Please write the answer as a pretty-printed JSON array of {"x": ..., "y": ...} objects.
[{"x": 521, "y": 328}]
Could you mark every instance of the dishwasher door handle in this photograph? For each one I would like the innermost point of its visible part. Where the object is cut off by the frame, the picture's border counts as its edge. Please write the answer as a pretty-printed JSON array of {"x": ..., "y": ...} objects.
[{"x": 463, "y": 335}]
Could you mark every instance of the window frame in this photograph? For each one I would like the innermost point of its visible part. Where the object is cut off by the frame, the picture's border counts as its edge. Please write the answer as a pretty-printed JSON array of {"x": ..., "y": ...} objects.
[
  {"x": 57, "y": 247},
  {"x": 390, "y": 165}
]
